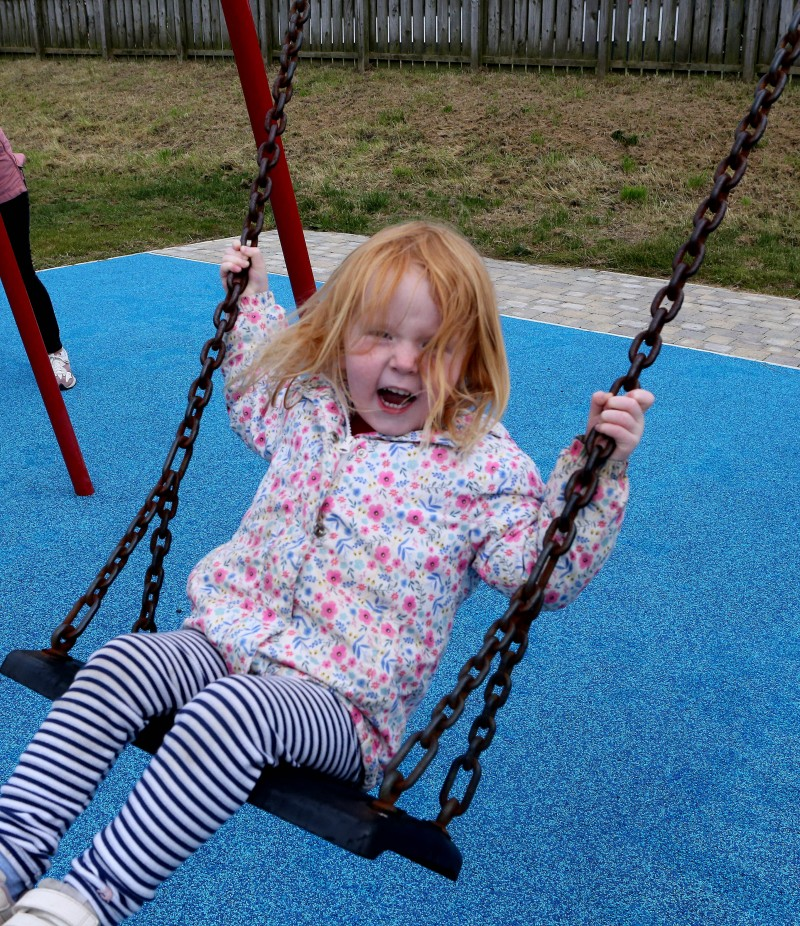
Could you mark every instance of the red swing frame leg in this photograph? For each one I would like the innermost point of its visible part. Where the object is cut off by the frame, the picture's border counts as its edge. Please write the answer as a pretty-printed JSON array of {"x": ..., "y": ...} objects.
[
  {"x": 258, "y": 97},
  {"x": 40, "y": 364}
]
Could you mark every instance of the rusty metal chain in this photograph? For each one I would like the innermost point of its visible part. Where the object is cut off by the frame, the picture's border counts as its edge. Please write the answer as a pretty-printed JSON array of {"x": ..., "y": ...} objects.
[
  {"x": 163, "y": 498},
  {"x": 508, "y": 636}
]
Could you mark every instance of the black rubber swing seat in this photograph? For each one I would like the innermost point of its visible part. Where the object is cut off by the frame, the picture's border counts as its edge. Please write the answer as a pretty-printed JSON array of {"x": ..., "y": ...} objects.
[{"x": 341, "y": 813}]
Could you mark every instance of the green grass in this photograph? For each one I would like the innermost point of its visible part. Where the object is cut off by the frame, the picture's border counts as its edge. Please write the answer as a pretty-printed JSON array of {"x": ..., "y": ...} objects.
[
  {"x": 126, "y": 156},
  {"x": 633, "y": 194}
]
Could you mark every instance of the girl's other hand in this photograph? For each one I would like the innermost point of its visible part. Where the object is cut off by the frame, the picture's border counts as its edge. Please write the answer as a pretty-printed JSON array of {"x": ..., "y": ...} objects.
[
  {"x": 239, "y": 256},
  {"x": 620, "y": 417}
]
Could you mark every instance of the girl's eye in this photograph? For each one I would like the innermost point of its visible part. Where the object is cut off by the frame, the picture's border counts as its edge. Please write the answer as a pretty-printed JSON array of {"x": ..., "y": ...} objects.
[{"x": 381, "y": 335}]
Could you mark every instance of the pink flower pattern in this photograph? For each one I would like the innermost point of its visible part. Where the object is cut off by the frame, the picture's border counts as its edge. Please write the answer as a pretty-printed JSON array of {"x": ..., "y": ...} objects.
[{"x": 365, "y": 546}]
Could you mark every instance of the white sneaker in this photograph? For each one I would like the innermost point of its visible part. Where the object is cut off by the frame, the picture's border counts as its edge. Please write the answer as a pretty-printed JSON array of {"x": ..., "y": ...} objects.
[
  {"x": 59, "y": 361},
  {"x": 6, "y": 903},
  {"x": 53, "y": 904}
]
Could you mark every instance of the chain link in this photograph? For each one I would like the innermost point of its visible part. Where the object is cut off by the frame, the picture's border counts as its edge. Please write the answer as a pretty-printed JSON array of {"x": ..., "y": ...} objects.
[
  {"x": 162, "y": 500},
  {"x": 526, "y": 603}
]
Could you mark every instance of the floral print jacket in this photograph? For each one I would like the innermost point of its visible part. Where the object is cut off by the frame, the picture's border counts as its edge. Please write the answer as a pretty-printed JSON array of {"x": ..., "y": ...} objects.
[{"x": 356, "y": 551}]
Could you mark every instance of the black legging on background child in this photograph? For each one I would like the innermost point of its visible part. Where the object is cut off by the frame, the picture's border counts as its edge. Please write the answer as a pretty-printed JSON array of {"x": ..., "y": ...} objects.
[
  {"x": 16, "y": 215},
  {"x": 17, "y": 219}
]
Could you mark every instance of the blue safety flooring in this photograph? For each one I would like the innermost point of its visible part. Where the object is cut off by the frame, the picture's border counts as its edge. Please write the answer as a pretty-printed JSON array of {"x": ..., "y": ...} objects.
[{"x": 646, "y": 770}]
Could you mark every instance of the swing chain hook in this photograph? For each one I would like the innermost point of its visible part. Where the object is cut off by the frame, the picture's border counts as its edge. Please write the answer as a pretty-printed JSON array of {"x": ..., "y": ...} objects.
[
  {"x": 163, "y": 498},
  {"x": 528, "y": 601}
]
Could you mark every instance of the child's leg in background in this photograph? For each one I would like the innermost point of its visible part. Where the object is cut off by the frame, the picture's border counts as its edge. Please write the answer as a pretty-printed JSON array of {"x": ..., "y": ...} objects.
[
  {"x": 129, "y": 680},
  {"x": 203, "y": 772},
  {"x": 16, "y": 216}
]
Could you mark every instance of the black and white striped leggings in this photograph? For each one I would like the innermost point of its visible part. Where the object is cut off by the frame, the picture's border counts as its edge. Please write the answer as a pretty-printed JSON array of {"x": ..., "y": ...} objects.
[{"x": 227, "y": 729}]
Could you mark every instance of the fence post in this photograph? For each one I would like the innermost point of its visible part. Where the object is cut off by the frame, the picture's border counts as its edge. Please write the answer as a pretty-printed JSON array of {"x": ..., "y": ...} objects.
[
  {"x": 36, "y": 27},
  {"x": 603, "y": 37},
  {"x": 104, "y": 24},
  {"x": 362, "y": 33},
  {"x": 752, "y": 21},
  {"x": 476, "y": 34}
]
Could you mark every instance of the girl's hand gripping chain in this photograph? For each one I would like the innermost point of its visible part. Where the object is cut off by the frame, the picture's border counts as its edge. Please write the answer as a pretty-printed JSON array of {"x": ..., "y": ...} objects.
[
  {"x": 620, "y": 417},
  {"x": 239, "y": 256}
]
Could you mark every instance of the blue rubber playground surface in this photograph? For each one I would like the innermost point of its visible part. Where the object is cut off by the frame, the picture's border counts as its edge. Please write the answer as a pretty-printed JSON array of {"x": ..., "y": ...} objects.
[{"x": 646, "y": 770}]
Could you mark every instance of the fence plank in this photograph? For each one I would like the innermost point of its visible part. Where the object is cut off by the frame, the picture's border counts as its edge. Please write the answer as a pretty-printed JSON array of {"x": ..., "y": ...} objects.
[
  {"x": 702, "y": 21},
  {"x": 716, "y": 33},
  {"x": 442, "y": 44},
  {"x": 750, "y": 39},
  {"x": 418, "y": 16},
  {"x": 395, "y": 26},
  {"x": 323, "y": 30},
  {"x": 505, "y": 28},
  {"x": 51, "y": 15},
  {"x": 337, "y": 25},
  {"x": 769, "y": 31},
  {"x": 55, "y": 25},
  {"x": 428, "y": 18},
  {"x": 216, "y": 23},
  {"x": 533, "y": 45},
  {"x": 635, "y": 32},
  {"x": 136, "y": 14},
  {"x": 666, "y": 51},
  {"x": 733, "y": 32},
  {"x": 205, "y": 36},
  {"x": 72, "y": 35},
  {"x": 787, "y": 8},
  {"x": 114, "y": 10},
  {"x": 129, "y": 40},
  {"x": 651, "y": 34},
  {"x": 561, "y": 39},
  {"x": 36, "y": 26},
  {"x": 590, "y": 29},
  {"x": 11, "y": 25},
  {"x": 150, "y": 28},
  {"x": 8, "y": 27},
  {"x": 683, "y": 40},
  {"x": 166, "y": 26},
  {"x": 381, "y": 23},
  {"x": 406, "y": 29},
  {"x": 519, "y": 29},
  {"x": 348, "y": 26},
  {"x": 621, "y": 14},
  {"x": 90, "y": 35},
  {"x": 575, "y": 40},
  {"x": 548, "y": 29},
  {"x": 604, "y": 36},
  {"x": 142, "y": 13},
  {"x": 492, "y": 33},
  {"x": 457, "y": 43}
]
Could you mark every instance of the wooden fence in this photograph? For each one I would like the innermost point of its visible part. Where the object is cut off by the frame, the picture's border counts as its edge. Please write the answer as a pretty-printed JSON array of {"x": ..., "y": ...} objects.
[{"x": 709, "y": 36}]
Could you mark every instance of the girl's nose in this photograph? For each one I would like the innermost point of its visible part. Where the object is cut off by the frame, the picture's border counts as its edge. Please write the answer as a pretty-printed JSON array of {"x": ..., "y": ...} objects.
[{"x": 405, "y": 357}]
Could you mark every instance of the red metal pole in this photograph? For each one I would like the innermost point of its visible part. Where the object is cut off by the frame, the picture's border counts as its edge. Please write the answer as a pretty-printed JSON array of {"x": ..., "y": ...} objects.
[
  {"x": 40, "y": 364},
  {"x": 258, "y": 97}
]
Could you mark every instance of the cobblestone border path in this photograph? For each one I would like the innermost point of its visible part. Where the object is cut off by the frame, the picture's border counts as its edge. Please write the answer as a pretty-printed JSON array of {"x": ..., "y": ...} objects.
[{"x": 723, "y": 321}]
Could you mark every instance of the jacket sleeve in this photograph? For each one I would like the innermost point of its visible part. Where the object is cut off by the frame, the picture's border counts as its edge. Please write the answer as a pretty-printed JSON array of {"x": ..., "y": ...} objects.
[
  {"x": 521, "y": 509},
  {"x": 251, "y": 414}
]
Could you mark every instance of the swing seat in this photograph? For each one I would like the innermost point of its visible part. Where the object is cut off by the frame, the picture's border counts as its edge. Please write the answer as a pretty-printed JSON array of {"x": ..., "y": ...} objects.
[{"x": 334, "y": 810}]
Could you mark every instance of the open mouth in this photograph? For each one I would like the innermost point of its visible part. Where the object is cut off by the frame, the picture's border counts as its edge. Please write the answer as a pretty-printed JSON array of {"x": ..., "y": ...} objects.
[{"x": 396, "y": 399}]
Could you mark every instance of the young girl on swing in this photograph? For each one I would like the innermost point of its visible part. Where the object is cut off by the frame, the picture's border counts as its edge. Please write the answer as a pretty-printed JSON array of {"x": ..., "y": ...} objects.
[{"x": 315, "y": 631}]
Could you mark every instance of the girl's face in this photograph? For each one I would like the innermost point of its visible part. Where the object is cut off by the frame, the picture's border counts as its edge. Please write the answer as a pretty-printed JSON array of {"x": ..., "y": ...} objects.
[{"x": 382, "y": 363}]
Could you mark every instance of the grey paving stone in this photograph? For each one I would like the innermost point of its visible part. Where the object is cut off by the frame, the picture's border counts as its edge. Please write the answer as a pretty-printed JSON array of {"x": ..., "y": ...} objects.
[{"x": 749, "y": 325}]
